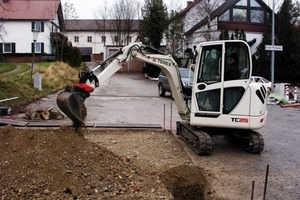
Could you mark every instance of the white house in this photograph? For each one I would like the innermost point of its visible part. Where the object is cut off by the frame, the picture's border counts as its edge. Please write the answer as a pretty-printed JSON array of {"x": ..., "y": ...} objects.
[
  {"x": 18, "y": 19},
  {"x": 97, "y": 39},
  {"x": 251, "y": 16}
]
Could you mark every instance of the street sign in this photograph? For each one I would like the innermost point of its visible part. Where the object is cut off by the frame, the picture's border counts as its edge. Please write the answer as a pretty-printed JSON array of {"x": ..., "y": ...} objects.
[{"x": 273, "y": 48}]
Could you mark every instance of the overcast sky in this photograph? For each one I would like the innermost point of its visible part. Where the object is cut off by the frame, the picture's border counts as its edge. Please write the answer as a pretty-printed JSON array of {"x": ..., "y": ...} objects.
[{"x": 86, "y": 9}]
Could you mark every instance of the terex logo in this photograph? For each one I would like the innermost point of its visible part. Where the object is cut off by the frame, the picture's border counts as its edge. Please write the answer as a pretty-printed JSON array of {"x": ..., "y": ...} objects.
[
  {"x": 241, "y": 120},
  {"x": 164, "y": 62}
]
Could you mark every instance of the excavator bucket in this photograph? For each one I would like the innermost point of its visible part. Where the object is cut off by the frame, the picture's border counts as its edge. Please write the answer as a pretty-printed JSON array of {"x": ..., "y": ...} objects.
[{"x": 71, "y": 103}]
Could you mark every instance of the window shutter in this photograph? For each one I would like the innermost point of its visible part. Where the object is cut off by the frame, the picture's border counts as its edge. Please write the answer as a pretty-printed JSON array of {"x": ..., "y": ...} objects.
[
  {"x": 32, "y": 26},
  {"x": 42, "y": 24},
  {"x": 42, "y": 47},
  {"x": 13, "y": 47},
  {"x": 1, "y": 47}
]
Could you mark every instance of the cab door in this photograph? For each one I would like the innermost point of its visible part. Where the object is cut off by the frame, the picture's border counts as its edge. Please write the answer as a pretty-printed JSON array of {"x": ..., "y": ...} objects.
[
  {"x": 208, "y": 86},
  {"x": 219, "y": 85}
]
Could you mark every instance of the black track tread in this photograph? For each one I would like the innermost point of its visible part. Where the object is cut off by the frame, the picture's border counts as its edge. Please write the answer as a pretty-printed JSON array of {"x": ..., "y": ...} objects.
[
  {"x": 258, "y": 142},
  {"x": 198, "y": 140},
  {"x": 244, "y": 138}
]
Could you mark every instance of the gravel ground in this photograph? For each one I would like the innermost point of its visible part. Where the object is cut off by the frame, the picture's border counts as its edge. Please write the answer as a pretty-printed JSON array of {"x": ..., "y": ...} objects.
[{"x": 228, "y": 173}]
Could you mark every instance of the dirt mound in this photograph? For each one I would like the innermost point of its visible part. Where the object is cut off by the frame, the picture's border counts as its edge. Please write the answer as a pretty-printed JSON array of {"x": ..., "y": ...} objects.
[{"x": 60, "y": 164}]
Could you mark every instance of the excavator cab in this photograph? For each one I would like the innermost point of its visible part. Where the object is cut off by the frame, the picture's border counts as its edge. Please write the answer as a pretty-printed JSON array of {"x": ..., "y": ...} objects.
[{"x": 221, "y": 86}]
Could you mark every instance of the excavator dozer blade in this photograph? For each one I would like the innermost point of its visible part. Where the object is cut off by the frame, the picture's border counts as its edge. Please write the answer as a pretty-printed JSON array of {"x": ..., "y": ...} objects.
[{"x": 72, "y": 104}]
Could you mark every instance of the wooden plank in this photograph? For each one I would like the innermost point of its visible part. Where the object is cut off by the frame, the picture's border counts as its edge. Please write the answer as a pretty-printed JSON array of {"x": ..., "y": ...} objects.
[
  {"x": 44, "y": 124},
  {"x": 4, "y": 122},
  {"x": 102, "y": 125},
  {"x": 8, "y": 99},
  {"x": 290, "y": 105}
]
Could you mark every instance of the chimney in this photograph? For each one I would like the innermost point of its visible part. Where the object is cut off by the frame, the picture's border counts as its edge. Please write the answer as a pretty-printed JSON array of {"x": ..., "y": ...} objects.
[{"x": 188, "y": 3}]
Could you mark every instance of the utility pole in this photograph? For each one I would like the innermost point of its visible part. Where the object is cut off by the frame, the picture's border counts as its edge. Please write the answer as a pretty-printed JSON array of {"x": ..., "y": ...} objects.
[{"x": 273, "y": 54}]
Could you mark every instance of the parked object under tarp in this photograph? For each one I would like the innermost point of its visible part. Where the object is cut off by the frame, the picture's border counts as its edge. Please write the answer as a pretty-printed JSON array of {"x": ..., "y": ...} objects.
[{"x": 276, "y": 98}]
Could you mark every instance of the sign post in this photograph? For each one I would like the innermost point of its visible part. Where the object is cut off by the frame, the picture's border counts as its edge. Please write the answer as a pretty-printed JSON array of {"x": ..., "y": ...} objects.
[{"x": 273, "y": 48}]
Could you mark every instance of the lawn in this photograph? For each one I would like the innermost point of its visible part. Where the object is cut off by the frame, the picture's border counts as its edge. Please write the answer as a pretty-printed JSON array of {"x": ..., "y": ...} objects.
[{"x": 18, "y": 82}]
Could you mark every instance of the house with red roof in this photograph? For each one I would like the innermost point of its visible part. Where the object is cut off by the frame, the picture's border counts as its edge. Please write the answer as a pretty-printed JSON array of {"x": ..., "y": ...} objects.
[{"x": 19, "y": 19}]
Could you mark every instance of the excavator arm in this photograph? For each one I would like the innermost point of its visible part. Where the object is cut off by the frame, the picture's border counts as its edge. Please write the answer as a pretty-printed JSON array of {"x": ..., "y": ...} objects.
[{"x": 71, "y": 100}]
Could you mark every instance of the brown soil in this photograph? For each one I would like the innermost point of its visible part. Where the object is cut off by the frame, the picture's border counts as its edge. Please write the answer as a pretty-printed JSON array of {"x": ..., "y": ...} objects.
[{"x": 61, "y": 164}]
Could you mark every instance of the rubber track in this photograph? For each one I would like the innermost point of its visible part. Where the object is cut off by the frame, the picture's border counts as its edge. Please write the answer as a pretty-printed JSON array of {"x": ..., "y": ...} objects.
[
  {"x": 257, "y": 141},
  {"x": 197, "y": 139}
]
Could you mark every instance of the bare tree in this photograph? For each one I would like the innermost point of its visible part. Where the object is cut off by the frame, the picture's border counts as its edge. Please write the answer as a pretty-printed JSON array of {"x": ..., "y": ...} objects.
[
  {"x": 69, "y": 10},
  {"x": 123, "y": 12},
  {"x": 2, "y": 29},
  {"x": 69, "y": 13},
  {"x": 101, "y": 24},
  {"x": 119, "y": 19},
  {"x": 206, "y": 7}
]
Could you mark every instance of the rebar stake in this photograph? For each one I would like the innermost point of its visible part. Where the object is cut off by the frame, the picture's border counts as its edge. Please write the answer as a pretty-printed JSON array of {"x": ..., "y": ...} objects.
[
  {"x": 266, "y": 182},
  {"x": 164, "y": 117},
  {"x": 252, "y": 191}
]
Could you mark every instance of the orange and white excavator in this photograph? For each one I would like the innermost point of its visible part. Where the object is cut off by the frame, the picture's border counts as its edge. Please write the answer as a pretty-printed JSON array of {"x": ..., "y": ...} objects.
[{"x": 220, "y": 103}]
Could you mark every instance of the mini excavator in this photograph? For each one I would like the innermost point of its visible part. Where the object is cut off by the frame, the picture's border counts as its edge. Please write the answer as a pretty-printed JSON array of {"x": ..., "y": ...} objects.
[{"x": 219, "y": 104}]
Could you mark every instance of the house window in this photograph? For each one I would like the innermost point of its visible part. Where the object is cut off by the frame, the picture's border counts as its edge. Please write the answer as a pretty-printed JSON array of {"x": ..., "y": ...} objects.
[
  {"x": 76, "y": 39},
  {"x": 253, "y": 3},
  {"x": 7, "y": 48},
  {"x": 257, "y": 16},
  {"x": 225, "y": 16},
  {"x": 38, "y": 47},
  {"x": 245, "y": 11},
  {"x": 103, "y": 39},
  {"x": 239, "y": 15},
  {"x": 116, "y": 39},
  {"x": 89, "y": 38},
  {"x": 242, "y": 3},
  {"x": 37, "y": 25}
]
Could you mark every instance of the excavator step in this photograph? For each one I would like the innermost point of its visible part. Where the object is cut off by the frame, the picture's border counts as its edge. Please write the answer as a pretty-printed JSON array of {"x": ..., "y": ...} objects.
[{"x": 198, "y": 140}]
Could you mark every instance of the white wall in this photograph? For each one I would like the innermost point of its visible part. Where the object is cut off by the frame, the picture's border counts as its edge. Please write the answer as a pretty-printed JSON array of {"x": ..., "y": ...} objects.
[
  {"x": 96, "y": 44},
  {"x": 20, "y": 33}
]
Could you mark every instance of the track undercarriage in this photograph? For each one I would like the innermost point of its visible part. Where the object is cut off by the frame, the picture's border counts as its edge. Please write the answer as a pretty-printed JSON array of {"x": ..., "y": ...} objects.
[{"x": 201, "y": 142}]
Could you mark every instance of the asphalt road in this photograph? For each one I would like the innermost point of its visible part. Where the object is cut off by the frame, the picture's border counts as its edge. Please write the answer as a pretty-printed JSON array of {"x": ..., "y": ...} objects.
[{"x": 133, "y": 99}]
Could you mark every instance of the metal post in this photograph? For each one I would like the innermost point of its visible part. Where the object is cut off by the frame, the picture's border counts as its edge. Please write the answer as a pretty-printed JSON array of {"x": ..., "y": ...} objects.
[
  {"x": 272, "y": 52},
  {"x": 35, "y": 34},
  {"x": 171, "y": 117},
  {"x": 252, "y": 190},
  {"x": 33, "y": 49},
  {"x": 164, "y": 127},
  {"x": 266, "y": 182}
]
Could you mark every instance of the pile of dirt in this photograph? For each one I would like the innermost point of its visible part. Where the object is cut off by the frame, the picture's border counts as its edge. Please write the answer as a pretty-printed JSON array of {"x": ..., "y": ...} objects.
[{"x": 60, "y": 164}]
